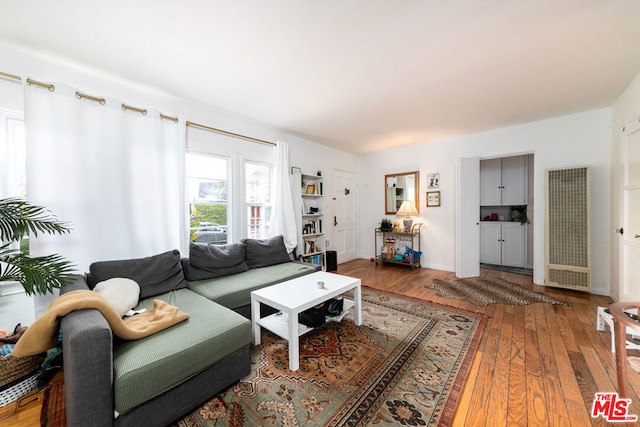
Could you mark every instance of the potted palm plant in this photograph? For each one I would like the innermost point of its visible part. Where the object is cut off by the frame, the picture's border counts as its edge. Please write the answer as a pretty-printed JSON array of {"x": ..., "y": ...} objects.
[{"x": 39, "y": 274}]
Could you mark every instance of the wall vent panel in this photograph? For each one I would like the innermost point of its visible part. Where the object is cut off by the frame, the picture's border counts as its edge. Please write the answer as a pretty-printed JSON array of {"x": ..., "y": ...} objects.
[{"x": 568, "y": 228}]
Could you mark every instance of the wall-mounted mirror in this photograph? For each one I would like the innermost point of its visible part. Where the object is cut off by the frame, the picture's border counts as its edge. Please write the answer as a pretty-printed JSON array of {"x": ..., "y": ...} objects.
[{"x": 399, "y": 187}]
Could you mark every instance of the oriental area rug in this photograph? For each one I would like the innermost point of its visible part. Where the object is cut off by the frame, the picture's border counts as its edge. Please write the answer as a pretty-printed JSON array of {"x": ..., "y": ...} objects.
[
  {"x": 483, "y": 292},
  {"x": 405, "y": 365}
]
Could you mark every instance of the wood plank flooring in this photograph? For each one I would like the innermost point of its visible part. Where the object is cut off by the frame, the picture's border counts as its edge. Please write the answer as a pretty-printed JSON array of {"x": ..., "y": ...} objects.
[{"x": 537, "y": 365}]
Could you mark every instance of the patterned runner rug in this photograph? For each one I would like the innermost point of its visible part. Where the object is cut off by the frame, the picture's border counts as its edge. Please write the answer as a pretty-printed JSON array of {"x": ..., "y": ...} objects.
[
  {"x": 490, "y": 291},
  {"x": 406, "y": 365}
]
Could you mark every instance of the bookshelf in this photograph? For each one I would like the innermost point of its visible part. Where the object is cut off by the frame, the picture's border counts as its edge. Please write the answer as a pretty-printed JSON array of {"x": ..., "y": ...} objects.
[{"x": 309, "y": 202}]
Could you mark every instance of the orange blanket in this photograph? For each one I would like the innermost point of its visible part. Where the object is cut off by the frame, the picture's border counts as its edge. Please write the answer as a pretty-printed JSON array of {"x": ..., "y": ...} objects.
[{"x": 43, "y": 333}]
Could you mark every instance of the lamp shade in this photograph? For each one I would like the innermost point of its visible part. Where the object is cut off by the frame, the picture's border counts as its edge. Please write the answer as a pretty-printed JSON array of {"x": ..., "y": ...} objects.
[{"x": 407, "y": 208}]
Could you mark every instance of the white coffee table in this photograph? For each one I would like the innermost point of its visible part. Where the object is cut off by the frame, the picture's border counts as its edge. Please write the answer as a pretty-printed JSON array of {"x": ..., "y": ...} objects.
[{"x": 294, "y": 296}]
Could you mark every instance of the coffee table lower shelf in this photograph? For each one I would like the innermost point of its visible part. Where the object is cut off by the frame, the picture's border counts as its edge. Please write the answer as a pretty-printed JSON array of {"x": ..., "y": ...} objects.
[{"x": 278, "y": 323}]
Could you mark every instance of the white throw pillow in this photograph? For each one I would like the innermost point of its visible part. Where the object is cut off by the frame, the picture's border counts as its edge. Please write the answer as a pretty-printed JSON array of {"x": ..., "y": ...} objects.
[{"x": 121, "y": 293}]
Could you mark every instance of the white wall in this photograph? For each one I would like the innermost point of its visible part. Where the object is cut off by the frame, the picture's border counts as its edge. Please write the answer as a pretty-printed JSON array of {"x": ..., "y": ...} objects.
[
  {"x": 574, "y": 140},
  {"x": 625, "y": 110}
]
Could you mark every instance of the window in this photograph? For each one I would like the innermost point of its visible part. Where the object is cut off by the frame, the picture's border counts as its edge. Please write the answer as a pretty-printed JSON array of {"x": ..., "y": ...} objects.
[
  {"x": 13, "y": 178},
  {"x": 12, "y": 145},
  {"x": 257, "y": 198},
  {"x": 233, "y": 177},
  {"x": 207, "y": 192}
]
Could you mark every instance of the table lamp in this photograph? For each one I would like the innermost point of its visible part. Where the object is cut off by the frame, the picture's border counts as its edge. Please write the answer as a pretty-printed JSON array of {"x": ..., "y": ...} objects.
[{"x": 407, "y": 209}]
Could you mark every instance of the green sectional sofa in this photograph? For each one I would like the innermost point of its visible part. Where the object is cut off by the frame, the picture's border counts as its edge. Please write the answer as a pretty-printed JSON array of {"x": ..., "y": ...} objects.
[{"x": 155, "y": 380}]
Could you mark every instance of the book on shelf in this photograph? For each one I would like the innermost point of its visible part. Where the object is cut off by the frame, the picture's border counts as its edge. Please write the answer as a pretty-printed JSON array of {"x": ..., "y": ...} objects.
[
  {"x": 313, "y": 259},
  {"x": 312, "y": 226},
  {"x": 310, "y": 246}
]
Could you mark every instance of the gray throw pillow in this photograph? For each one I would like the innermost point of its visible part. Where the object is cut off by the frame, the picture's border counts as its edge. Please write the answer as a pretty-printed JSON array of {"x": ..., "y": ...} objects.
[
  {"x": 156, "y": 274},
  {"x": 263, "y": 253},
  {"x": 209, "y": 261}
]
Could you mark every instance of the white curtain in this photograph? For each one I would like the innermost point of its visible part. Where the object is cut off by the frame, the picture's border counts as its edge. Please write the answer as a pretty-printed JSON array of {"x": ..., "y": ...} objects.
[
  {"x": 283, "y": 221},
  {"x": 116, "y": 176}
]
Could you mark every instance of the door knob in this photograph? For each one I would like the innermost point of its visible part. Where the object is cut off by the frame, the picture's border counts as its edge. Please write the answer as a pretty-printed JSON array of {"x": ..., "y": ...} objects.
[{"x": 620, "y": 230}]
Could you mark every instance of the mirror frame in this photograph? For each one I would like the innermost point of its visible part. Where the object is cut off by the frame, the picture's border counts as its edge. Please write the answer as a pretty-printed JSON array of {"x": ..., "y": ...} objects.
[{"x": 416, "y": 198}]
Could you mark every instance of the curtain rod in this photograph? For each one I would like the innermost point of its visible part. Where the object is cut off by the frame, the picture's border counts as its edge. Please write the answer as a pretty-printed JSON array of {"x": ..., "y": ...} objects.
[
  {"x": 144, "y": 112},
  {"x": 81, "y": 95},
  {"x": 10, "y": 76},
  {"x": 224, "y": 132},
  {"x": 29, "y": 81}
]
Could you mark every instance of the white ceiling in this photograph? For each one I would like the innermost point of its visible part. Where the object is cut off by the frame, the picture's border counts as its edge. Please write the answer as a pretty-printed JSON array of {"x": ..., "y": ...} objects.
[{"x": 358, "y": 75}]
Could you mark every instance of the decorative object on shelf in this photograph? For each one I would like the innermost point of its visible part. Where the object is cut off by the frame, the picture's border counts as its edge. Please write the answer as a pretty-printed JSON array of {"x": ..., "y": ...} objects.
[
  {"x": 433, "y": 180},
  {"x": 433, "y": 199},
  {"x": 519, "y": 214},
  {"x": 39, "y": 274},
  {"x": 386, "y": 224},
  {"x": 407, "y": 209},
  {"x": 413, "y": 255}
]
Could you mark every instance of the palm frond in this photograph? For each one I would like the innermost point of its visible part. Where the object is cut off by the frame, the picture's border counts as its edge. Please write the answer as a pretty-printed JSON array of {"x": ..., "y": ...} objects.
[
  {"x": 40, "y": 274},
  {"x": 19, "y": 217},
  {"x": 36, "y": 274}
]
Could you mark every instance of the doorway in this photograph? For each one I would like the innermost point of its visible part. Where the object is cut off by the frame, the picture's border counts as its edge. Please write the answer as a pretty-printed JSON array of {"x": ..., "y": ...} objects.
[{"x": 471, "y": 210}]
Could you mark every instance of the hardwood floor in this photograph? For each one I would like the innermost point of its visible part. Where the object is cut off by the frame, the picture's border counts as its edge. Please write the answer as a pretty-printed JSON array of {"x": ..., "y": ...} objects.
[
  {"x": 537, "y": 365},
  {"x": 28, "y": 415}
]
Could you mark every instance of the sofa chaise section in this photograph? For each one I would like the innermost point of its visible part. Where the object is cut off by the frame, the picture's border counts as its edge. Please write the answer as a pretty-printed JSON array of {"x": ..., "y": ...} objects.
[
  {"x": 144, "y": 369},
  {"x": 155, "y": 380}
]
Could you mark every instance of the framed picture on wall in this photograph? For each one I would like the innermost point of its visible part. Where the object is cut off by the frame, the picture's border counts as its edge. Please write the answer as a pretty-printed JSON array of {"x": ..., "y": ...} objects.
[
  {"x": 433, "y": 199},
  {"x": 433, "y": 180}
]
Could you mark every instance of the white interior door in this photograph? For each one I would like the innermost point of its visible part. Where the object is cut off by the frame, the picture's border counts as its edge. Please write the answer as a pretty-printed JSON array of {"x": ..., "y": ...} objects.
[
  {"x": 630, "y": 259},
  {"x": 345, "y": 211},
  {"x": 468, "y": 218}
]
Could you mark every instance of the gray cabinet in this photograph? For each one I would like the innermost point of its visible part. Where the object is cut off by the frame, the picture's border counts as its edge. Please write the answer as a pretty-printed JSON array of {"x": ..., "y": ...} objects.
[
  {"x": 503, "y": 243},
  {"x": 503, "y": 181}
]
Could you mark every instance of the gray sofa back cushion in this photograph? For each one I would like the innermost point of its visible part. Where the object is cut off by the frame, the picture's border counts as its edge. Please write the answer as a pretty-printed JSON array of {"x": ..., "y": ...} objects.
[
  {"x": 156, "y": 274},
  {"x": 209, "y": 261},
  {"x": 266, "y": 252}
]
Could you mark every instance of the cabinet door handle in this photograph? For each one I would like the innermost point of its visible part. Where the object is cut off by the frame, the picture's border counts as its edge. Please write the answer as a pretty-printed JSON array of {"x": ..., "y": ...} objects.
[{"x": 335, "y": 220}]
